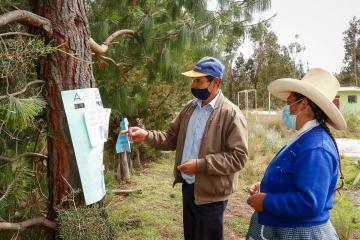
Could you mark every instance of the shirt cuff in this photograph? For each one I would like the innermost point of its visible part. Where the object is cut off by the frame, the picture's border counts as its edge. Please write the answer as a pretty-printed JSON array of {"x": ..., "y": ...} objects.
[{"x": 201, "y": 164}]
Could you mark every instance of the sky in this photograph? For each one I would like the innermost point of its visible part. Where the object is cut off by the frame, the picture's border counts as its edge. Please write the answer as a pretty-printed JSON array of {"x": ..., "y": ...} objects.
[{"x": 318, "y": 23}]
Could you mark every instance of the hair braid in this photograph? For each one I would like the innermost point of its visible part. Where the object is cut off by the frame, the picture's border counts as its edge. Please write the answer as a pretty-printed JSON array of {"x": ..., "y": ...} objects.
[{"x": 321, "y": 117}]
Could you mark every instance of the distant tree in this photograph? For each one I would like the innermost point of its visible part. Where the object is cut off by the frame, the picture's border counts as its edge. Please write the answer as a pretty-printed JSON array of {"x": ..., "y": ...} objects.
[
  {"x": 350, "y": 73},
  {"x": 269, "y": 61}
]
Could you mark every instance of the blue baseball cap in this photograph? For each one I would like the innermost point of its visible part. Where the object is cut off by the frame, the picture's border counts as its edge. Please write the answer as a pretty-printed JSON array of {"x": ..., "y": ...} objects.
[{"x": 206, "y": 66}]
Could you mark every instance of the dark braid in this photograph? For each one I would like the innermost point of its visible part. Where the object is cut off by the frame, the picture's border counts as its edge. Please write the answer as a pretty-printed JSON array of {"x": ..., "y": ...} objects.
[{"x": 321, "y": 117}]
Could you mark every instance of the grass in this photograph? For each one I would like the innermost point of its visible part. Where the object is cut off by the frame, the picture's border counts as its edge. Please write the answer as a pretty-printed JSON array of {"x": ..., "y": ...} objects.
[
  {"x": 350, "y": 170},
  {"x": 240, "y": 224},
  {"x": 345, "y": 217},
  {"x": 156, "y": 213}
]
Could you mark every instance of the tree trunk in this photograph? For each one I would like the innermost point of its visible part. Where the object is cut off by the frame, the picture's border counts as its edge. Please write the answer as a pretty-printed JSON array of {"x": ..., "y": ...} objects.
[
  {"x": 125, "y": 172},
  {"x": 118, "y": 167},
  {"x": 67, "y": 69},
  {"x": 137, "y": 161},
  {"x": 130, "y": 162}
]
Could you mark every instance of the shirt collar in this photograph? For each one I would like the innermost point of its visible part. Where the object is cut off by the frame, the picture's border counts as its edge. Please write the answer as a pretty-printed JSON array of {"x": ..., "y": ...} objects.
[
  {"x": 212, "y": 103},
  {"x": 307, "y": 126}
]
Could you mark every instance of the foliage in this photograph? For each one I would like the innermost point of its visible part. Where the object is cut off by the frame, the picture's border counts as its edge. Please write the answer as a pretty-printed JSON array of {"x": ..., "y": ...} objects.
[
  {"x": 353, "y": 126},
  {"x": 273, "y": 140},
  {"x": 350, "y": 72},
  {"x": 19, "y": 108},
  {"x": 83, "y": 223},
  {"x": 345, "y": 217},
  {"x": 23, "y": 185},
  {"x": 169, "y": 38},
  {"x": 269, "y": 61}
]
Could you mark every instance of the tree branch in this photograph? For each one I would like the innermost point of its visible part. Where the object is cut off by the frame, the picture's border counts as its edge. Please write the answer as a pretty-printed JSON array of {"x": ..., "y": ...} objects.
[
  {"x": 9, "y": 188},
  {"x": 26, "y": 154},
  {"x": 16, "y": 33},
  {"x": 109, "y": 59},
  {"x": 101, "y": 49},
  {"x": 117, "y": 64},
  {"x": 125, "y": 191},
  {"x": 28, "y": 223},
  {"x": 23, "y": 90},
  {"x": 261, "y": 21},
  {"x": 26, "y": 18},
  {"x": 164, "y": 99}
]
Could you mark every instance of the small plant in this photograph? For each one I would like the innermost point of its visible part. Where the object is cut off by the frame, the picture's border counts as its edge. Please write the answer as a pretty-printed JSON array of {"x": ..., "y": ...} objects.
[
  {"x": 273, "y": 140},
  {"x": 83, "y": 223},
  {"x": 345, "y": 217}
]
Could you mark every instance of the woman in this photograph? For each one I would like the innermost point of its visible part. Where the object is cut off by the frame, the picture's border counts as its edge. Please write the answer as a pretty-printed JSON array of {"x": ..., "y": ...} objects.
[{"x": 297, "y": 191}]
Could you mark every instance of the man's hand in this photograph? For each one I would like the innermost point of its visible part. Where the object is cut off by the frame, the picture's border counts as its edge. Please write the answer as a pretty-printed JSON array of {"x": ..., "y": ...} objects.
[
  {"x": 189, "y": 167},
  {"x": 256, "y": 201},
  {"x": 255, "y": 188},
  {"x": 136, "y": 134}
]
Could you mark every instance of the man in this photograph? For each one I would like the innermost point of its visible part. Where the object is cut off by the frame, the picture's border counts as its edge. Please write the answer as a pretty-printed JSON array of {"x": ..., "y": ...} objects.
[{"x": 210, "y": 139}]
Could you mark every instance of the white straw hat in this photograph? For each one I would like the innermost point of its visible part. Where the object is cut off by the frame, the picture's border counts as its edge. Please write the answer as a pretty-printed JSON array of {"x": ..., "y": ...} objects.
[{"x": 319, "y": 86}]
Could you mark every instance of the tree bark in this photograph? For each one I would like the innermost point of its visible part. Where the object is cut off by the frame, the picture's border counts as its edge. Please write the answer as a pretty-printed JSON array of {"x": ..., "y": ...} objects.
[
  {"x": 130, "y": 162},
  {"x": 69, "y": 69},
  {"x": 118, "y": 167},
  {"x": 137, "y": 161},
  {"x": 125, "y": 171}
]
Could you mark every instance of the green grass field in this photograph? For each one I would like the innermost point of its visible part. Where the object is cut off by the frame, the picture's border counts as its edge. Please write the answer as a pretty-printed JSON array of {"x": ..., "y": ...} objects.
[{"x": 156, "y": 212}]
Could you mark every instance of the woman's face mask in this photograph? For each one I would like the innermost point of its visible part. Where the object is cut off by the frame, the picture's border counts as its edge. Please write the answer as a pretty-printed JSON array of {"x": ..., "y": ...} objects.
[{"x": 289, "y": 119}]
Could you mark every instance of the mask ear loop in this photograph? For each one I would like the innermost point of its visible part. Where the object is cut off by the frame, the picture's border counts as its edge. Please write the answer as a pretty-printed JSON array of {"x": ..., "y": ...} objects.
[{"x": 294, "y": 103}]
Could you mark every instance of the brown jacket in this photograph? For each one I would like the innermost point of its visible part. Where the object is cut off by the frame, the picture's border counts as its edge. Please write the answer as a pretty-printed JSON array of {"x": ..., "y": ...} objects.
[{"x": 223, "y": 150}]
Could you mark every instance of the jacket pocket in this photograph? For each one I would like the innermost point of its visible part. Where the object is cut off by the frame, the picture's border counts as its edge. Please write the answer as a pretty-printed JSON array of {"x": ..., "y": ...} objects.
[{"x": 214, "y": 185}]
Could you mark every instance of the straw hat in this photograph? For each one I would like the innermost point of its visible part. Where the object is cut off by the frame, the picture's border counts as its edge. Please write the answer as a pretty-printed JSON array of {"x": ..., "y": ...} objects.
[{"x": 319, "y": 86}]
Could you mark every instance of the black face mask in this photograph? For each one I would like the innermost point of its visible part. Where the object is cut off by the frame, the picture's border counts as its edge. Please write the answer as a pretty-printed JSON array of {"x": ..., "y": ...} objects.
[{"x": 202, "y": 93}]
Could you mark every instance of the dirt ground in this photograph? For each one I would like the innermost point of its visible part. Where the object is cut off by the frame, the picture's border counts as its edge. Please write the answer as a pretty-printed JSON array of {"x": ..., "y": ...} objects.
[{"x": 237, "y": 208}]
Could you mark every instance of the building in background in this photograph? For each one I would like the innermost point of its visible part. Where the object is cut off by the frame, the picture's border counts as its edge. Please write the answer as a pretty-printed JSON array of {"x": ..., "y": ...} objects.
[{"x": 348, "y": 99}]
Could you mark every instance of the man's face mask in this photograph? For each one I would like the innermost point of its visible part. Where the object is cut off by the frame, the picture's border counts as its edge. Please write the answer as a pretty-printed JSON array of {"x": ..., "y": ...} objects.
[
  {"x": 202, "y": 93},
  {"x": 289, "y": 119}
]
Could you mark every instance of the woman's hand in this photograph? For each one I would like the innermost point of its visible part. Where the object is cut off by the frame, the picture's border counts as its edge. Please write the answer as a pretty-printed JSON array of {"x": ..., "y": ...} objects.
[
  {"x": 255, "y": 188},
  {"x": 256, "y": 201}
]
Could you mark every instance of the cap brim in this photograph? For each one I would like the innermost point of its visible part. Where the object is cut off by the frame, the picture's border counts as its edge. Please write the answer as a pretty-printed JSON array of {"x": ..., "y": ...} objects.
[
  {"x": 282, "y": 88},
  {"x": 192, "y": 73}
]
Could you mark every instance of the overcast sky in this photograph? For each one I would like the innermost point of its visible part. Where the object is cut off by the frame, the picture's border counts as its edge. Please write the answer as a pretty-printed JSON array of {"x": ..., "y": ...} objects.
[{"x": 320, "y": 25}]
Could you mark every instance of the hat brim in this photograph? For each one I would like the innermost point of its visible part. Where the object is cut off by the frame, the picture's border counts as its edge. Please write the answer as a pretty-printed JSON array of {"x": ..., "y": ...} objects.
[
  {"x": 282, "y": 88},
  {"x": 192, "y": 73}
]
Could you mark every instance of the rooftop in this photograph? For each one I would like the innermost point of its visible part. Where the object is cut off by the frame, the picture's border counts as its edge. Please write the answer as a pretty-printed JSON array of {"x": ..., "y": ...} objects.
[{"x": 345, "y": 89}]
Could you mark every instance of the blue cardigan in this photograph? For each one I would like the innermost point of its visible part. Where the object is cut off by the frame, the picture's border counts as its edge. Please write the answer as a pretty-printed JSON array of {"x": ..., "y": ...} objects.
[{"x": 300, "y": 182}]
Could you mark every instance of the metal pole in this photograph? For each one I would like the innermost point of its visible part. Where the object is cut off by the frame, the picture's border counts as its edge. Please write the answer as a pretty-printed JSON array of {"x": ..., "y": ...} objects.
[
  {"x": 256, "y": 113},
  {"x": 238, "y": 98},
  {"x": 269, "y": 104},
  {"x": 247, "y": 102}
]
